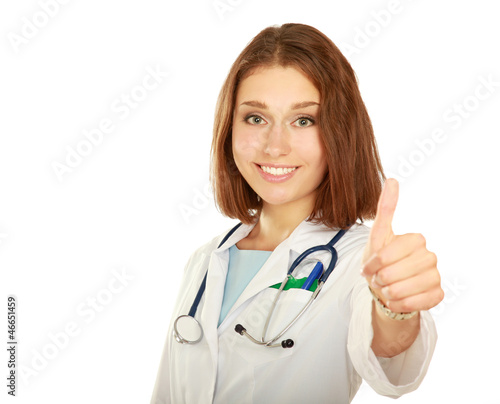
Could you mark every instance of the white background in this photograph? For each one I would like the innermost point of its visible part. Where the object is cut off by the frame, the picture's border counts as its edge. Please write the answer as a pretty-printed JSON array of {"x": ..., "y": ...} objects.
[{"x": 121, "y": 208}]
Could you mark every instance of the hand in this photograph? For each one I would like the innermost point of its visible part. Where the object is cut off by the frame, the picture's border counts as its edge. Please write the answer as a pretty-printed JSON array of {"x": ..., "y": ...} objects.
[{"x": 400, "y": 269}]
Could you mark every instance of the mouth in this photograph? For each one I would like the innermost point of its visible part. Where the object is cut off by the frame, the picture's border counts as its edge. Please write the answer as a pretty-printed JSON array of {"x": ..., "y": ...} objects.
[{"x": 277, "y": 171}]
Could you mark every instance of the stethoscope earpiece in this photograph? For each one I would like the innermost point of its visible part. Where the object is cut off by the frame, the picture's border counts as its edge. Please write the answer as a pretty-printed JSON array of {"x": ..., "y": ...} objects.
[{"x": 239, "y": 329}]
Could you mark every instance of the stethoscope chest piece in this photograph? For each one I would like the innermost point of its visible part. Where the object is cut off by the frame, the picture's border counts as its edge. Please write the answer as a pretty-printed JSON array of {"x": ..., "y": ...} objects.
[{"x": 187, "y": 330}]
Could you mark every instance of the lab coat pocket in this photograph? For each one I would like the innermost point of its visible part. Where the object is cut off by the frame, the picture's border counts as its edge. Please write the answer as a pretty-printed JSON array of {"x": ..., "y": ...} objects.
[{"x": 254, "y": 317}]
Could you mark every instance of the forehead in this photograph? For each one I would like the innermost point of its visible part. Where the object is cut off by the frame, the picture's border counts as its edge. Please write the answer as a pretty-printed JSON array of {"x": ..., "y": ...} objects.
[{"x": 279, "y": 84}]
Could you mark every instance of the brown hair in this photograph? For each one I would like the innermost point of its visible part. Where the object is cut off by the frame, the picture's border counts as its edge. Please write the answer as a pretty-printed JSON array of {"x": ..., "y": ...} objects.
[{"x": 352, "y": 186}]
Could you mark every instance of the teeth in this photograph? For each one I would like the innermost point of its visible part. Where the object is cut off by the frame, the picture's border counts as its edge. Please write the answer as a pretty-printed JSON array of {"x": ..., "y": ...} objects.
[{"x": 277, "y": 171}]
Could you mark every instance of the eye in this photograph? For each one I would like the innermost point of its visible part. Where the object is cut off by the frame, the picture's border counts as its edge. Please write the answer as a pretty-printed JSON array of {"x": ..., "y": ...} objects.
[
  {"x": 255, "y": 120},
  {"x": 304, "y": 122}
]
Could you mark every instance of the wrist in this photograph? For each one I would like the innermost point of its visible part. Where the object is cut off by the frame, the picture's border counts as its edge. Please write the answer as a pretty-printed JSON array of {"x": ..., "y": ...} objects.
[{"x": 381, "y": 308}]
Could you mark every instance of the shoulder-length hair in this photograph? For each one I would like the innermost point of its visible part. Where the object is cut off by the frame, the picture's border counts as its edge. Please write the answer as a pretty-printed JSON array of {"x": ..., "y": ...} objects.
[{"x": 353, "y": 183}]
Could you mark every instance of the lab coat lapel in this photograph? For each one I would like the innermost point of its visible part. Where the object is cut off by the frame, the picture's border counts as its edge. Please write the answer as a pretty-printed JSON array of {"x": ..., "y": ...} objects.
[
  {"x": 211, "y": 307},
  {"x": 214, "y": 292}
]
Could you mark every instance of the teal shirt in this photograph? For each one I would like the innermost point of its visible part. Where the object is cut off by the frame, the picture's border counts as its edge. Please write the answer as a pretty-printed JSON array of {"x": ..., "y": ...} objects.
[{"x": 243, "y": 265}]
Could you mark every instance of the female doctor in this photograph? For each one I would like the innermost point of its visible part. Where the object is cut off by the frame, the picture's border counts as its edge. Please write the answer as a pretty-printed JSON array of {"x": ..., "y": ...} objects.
[{"x": 294, "y": 159}]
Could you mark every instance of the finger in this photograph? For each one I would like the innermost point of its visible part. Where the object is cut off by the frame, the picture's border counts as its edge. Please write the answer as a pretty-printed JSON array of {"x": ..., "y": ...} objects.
[
  {"x": 381, "y": 229},
  {"x": 408, "y": 267},
  {"x": 415, "y": 285},
  {"x": 422, "y": 301},
  {"x": 400, "y": 247}
]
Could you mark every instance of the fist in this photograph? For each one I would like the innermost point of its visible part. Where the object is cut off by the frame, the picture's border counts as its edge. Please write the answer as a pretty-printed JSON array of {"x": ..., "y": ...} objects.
[{"x": 399, "y": 268}]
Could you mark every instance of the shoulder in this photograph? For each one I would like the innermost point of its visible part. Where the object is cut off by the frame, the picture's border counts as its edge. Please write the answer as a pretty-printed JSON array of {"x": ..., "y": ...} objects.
[
  {"x": 235, "y": 233},
  {"x": 353, "y": 242},
  {"x": 354, "y": 238},
  {"x": 199, "y": 258}
]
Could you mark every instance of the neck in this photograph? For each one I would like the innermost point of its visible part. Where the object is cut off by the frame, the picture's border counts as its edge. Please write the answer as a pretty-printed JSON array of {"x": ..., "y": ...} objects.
[{"x": 276, "y": 223}]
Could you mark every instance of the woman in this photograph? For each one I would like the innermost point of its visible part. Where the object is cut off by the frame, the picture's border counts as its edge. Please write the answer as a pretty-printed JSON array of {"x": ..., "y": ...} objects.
[{"x": 295, "y": 160}]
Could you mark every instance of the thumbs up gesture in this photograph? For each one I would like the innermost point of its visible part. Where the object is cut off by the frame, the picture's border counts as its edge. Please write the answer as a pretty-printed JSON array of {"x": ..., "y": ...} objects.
[{"x": 400, "y": 270}]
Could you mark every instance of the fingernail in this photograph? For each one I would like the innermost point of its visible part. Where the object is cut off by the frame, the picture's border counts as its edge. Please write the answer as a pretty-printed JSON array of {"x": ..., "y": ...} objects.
[
  {"x": 385, "y": 291},
  {"x": 374, "y": 282}
]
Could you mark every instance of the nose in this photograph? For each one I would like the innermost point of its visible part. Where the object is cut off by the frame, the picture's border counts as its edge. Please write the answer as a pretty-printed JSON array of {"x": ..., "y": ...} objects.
[{"x": 277, "y": 142}]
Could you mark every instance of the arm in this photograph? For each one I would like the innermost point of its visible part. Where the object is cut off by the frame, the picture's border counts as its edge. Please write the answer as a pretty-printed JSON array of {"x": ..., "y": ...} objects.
[
  {"x": 391, "y": 337},
  {"x": 403, "y": 276},
  {"x": 395, "y": 374}
]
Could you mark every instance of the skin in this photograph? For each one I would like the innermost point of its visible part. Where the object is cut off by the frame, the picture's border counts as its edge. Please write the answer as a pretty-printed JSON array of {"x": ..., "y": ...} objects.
[
  {"x": 275, "y": 123},
  {"x": 403, "y": 274},
  {"x": 276, "y": 135}
]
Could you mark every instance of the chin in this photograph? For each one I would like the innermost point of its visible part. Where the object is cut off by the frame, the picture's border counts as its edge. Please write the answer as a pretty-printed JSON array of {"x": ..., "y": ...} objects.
[{"x": 276, "y": 199}]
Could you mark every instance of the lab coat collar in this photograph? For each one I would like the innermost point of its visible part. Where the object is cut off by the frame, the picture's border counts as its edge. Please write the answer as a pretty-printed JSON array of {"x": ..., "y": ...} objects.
[{"x": 305, "y": 235}]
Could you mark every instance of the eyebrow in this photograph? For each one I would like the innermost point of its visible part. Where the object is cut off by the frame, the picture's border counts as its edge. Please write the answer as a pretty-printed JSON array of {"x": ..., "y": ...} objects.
[{"x": 263, "y": 105}]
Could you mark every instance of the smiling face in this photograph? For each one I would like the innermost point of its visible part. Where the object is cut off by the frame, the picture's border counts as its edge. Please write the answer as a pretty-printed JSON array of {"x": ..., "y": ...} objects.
[{"x": 276, "y": 137}]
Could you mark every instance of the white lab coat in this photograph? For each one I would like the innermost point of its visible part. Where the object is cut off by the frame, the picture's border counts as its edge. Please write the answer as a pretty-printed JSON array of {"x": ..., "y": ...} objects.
[{"x": 332, "y": 339}]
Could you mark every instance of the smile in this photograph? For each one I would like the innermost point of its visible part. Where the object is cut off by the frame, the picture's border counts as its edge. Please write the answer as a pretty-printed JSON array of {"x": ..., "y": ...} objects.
[
  {"x": 277, "y": 170},
  {"x": 275, "y": 174}
]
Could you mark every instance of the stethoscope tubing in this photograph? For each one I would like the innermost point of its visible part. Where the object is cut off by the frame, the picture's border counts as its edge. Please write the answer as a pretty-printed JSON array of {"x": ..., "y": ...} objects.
[{"x": 309, "y": 302}]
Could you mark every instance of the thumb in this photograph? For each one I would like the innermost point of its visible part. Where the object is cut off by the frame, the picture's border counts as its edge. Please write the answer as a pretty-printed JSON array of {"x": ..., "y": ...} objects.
[{"x": 381, "y": 232}]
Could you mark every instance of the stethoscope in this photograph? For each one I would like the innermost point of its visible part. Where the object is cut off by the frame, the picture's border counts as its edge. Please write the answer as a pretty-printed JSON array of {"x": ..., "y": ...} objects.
[{"x": 192, "y": 332}]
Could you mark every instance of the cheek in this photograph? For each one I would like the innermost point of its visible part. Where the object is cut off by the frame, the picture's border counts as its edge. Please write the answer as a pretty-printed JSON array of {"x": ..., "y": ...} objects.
[
  {"x": 245, "y": 144},
  {"x": 312, "y": 151}
]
